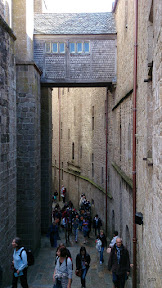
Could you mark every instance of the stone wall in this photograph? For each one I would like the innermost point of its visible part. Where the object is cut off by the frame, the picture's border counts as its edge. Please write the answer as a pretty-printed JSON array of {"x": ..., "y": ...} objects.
[
  {"x": 149, "y": 143},
  {"x": 8, "y": 142},
  {"x": 147, "y": 138},
  {"x": 79, "y": 109},
  {"x": 120, "y": 208},
  {"x": 46, "y": 158},
  {"x": 23, "y": 26},
  {"x": 28, "y": 155}
]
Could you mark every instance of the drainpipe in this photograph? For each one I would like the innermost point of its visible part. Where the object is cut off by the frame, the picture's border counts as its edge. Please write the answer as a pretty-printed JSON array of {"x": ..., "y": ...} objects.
[
  {"x": 134, "y": 143},
  {"x": 106, "y": 151},
  {"x": 59, "y": 99}
]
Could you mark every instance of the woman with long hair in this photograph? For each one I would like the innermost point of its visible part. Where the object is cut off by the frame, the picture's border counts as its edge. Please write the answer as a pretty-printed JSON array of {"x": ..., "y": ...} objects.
[
  {"x": 63, "y": 270},
  {"x": 82, "y": 263}
]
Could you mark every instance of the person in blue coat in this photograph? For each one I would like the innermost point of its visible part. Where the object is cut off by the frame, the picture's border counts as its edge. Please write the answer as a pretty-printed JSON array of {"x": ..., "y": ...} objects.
[{"x": 20, "y": 264}]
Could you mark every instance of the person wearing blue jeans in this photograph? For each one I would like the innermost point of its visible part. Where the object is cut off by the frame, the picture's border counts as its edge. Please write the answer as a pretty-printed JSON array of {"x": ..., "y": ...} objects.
[
  {"x": 102, "y": 237},
  {"x": 82, "y": 263},
  {"x": 75, "y": 224}
]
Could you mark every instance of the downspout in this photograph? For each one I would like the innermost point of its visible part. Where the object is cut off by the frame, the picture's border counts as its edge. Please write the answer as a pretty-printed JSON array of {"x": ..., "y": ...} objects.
[
  {"x": 106, "y": 152},
  {"x": 59, "y": 99},
  {"x": 134, "y": 143}
]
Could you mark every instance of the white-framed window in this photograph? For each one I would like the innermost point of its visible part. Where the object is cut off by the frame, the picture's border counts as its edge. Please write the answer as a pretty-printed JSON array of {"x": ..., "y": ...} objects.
[
  {"x": 62, "y": 47},
  {"x": 86, "y": 47},
  {"x": 79, "y": 47},
  {"x": 48, "y": 47},
  {"x": 72, "y": 47},
  {"x": 55, "y": 47}
]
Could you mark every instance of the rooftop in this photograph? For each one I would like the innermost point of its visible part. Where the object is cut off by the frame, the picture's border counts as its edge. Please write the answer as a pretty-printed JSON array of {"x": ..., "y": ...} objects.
[{"x": 74, "y": 23}]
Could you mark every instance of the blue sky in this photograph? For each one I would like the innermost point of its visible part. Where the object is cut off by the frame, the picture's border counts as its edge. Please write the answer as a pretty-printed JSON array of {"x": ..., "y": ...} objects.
[{"x": 82, "y": 6}]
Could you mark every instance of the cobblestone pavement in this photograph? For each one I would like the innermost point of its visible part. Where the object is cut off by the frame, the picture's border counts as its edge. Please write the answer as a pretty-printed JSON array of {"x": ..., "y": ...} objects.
[{"x": 41, "y": 273}]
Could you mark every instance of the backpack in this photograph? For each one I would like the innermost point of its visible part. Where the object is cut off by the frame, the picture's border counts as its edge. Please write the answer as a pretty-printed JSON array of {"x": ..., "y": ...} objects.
[
  {"x": 30, "y": 256},
  {"x": 98, "y": 245},
  {"x": 71, "y": 261},
  {"x": 69, "y": 256}
]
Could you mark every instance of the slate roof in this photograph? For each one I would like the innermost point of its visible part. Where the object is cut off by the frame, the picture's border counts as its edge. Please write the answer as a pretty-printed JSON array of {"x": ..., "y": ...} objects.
[{"x": 74, "y": 23}]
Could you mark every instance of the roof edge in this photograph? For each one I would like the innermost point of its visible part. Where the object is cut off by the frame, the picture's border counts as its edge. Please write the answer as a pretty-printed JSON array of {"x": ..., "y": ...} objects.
[{"x": 115, "y": 4}]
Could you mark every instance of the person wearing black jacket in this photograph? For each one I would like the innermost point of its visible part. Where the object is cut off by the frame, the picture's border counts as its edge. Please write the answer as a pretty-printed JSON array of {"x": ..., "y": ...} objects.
[
  {"x": 102, "y": 237},
  {"x": 82, "y": 263},
  {"x": 119, "y": 263},
  {"x": 97, "y": 223}
]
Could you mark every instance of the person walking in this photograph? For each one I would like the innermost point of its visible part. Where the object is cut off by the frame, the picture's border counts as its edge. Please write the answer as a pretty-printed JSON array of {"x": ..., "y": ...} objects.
[
  {"x": 63, "y": 193},
  {"x": 85, "y": 229},
  {"x": 102, "y": 237},
  {"x": 53, "y": 231},
  {"x": 119, "y": 263},
  {"x": 20, "y": 264},
  {"x": 62, "y": 275},
  {"x": 83, "y": 263},
  {"x": 97, "y": 223},
  {"x": 75, "y": 224},
  {"x": 113, "y": 241}
]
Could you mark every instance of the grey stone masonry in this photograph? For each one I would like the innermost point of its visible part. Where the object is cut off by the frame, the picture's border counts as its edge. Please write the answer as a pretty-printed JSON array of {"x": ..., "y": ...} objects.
[
  {"x": 28, "y": 155},
  {"x": 73, "y": 63},
  {"x": 96, "y": 66},
  {"x": 7, "y": 146},
  {"x": 46, "y": 158}
]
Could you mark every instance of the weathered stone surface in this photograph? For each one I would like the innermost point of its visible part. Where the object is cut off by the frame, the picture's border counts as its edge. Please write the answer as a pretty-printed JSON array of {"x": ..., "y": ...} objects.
[
  {"x": 97, "y": 66},
  {"x": 8, "y": 171},
  {"x": 28, "y": 155},
  {"x": 76, "y": 113},
  {"x": 46, "y": 158}
]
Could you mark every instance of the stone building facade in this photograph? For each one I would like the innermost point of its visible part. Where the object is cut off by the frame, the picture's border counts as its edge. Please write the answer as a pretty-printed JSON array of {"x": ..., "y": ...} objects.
[
  {"x": 8, "y": 141},
  {"x": 148, "y": 135},
  {"x": 80, "y": 147},
  {"x": 70, "y": 48},
  {"x": 20, "y": 136},
  {"x": 26, "y": 138}
]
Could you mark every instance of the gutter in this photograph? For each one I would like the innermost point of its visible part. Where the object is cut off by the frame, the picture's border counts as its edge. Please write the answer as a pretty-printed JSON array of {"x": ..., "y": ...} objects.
[
  {"x": 106, "y": 153},
  {"x": 59, "y": 99}
]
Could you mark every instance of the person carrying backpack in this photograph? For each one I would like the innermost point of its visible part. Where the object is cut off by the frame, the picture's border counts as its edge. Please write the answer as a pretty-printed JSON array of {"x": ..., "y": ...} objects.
[
  {"x": 20, "y": 264},
  {"x": 62, "y": 275}
]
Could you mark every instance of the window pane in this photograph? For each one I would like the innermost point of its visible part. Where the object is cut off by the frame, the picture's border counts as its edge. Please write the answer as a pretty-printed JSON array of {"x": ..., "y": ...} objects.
[
  {"x": 86, "y": 47},
  {"x": 54, "y": 47},
  {"x": 72, "y": 47},
  {"x": 79, "y": 47},
  {"x": 48, "y": 47},
  {"x": 62, "y": 47}
]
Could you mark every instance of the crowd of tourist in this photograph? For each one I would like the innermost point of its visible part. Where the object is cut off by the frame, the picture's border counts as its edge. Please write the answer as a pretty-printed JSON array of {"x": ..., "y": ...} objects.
[{"x": 71, "y": 220}]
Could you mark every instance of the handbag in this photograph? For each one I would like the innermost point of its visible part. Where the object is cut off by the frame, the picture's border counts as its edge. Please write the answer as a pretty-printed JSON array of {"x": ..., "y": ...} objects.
[
  {"x": 78, "y": 272},
  {"x": 57, "y": 284}
]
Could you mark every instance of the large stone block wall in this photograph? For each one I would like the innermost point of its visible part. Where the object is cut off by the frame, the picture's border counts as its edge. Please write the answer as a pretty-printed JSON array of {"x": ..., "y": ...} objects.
[
  {"x": 120, "y": 212},
  {"x": 76, "y": 106},
  {"x": 28, "y": 155},
  {"x": 8, "y": 153},
  {"x": 46, "y": 158},
  {"x": 120, "y": 208},
  {"x": 149, "y": 143},
  {"x": 148, "y": 129},
  {"x": 99, "y": 65},
  {"x": 23, "y": 25}
]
